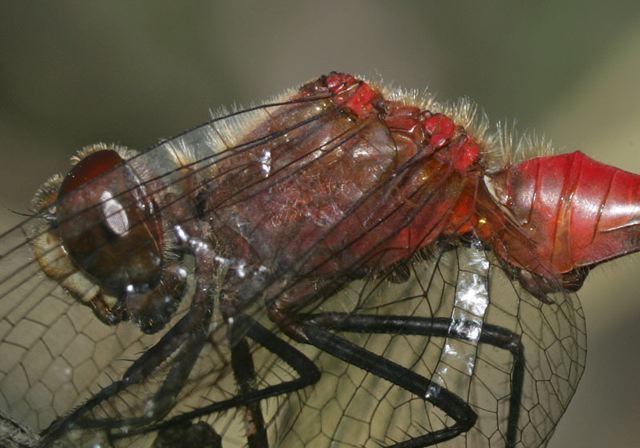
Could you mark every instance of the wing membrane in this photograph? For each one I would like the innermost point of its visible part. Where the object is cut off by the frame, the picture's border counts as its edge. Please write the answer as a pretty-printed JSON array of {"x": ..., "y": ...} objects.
[{"x": 56, "y": 356}]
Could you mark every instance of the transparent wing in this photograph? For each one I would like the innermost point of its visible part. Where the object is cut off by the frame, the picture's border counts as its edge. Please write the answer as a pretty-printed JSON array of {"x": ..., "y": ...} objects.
[
  {"x": 350, "y": 407},
  {"x": 56, "y": 355},
  {"x": 63, "y": 356}
]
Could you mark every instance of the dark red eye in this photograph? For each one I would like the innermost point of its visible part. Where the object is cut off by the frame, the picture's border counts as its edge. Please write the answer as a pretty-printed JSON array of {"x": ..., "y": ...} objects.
[
  {"x": 108, "y": 224},
  {"x": 91, "y": 167}
]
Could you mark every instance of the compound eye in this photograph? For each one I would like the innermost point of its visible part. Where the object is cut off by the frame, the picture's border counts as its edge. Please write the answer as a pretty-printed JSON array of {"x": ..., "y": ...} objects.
[
  {"x": 90, "y": 168},
  {"x": 109, "y": 225}
]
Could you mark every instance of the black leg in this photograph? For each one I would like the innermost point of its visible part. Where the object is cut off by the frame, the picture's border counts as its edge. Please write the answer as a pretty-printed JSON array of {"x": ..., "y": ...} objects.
[
  {"x": 316, "y": 328},
  {"x": 307, "y": 371},
  {"x": 244, "y": 373},
  {"x": 189, "y": 334},
  {"x": 188, "y": 435}
]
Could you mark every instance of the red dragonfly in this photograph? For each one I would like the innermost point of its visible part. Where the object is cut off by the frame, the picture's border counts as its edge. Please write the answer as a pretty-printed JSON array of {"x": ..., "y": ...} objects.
[{"x": 343, "y": 266}]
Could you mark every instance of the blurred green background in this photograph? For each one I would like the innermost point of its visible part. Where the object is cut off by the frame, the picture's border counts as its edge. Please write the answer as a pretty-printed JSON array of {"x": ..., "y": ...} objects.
[{"x": 74, "y": 73}]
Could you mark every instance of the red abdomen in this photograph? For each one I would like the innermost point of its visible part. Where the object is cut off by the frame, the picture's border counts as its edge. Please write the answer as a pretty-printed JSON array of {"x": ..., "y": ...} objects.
[{"x": 559, "y": 213}]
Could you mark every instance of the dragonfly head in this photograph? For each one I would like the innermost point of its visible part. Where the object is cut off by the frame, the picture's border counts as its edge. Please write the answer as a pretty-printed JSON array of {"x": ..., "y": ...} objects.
[{"x": 105, "y": 242}]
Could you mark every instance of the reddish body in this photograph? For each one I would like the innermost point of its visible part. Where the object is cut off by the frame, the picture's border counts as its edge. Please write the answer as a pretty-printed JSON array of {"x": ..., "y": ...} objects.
[
  {"x": 364, "y": 185},
  {"x": 336, "y": 182},
  {"x": 424, "y": 179},
  {"x": 577, "y": 212}
]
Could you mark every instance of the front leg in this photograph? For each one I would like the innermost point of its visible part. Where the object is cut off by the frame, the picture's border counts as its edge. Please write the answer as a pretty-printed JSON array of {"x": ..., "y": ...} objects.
[{"x": 185, "y": 340}]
